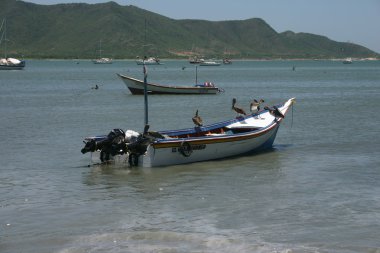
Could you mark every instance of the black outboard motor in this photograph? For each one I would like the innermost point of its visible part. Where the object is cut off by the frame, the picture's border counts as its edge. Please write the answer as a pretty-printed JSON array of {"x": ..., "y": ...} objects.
[
  {"x": 113, "y": 144},
  {"x": 92, "y": 145}
]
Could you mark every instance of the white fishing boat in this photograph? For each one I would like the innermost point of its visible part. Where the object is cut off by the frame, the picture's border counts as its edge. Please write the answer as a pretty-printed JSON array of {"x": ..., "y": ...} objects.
[
  {"x": 8, "y": 63},
  {"x": 136, "y": 87},
  {"x": 237, "y": 136}
]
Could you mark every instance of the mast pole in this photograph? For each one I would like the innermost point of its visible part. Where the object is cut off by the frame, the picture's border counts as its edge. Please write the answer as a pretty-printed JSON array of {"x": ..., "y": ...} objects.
[
  {"x": 145, "y": 93},
  {"x": 145, "y": 85},
  {"x": 196, "y": 75}
]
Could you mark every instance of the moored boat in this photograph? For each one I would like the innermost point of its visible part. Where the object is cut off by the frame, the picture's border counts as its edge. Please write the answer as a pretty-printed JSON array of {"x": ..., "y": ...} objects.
[
  {"x": 209, "y": 63},
  {"x": 196, "y": 60},
  {"x": 137, "y": 87},
  {"x": 149, "y": 61},
  {"x": 233, "y": 137},
  {"x": 227, "y": 61},
  {"x": 8, "y": 63},
  {"x": 102, "y": 60},
  {"x": 11, "y": 64},
  {"x": 347, "y": 61}
]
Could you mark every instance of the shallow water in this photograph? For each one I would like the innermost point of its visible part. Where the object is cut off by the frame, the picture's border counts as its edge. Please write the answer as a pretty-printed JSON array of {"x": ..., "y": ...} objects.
[{"x": 317, "y": 190}]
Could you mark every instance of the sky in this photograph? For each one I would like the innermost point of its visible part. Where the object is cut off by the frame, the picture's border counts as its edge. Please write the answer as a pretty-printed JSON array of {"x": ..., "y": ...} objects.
[{"x": 355, "y": 21}]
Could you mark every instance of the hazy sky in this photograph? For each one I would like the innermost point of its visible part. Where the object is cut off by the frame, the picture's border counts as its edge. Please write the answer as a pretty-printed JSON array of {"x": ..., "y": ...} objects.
[{"x": 356, "y": 21}]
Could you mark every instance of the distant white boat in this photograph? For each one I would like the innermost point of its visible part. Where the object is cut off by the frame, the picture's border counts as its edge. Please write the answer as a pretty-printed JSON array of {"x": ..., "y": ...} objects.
[
  {"x": 149, "y": 61},
  {"x": 8, "y": 63},
  {"x": 11, "y": 63},
  {"x": 209, "y": 63},
  {"x": 347, "y": 61},
  {"x": 101, "y": 60}
]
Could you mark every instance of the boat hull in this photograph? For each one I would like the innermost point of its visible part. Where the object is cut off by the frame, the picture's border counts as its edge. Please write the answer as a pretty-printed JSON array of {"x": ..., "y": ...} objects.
[
  {"x": 18, "y": 66},
  {"x": 206, "y": 150},
  {"x": 211, "y": 64},
  {"x": 136, "y": 87}
]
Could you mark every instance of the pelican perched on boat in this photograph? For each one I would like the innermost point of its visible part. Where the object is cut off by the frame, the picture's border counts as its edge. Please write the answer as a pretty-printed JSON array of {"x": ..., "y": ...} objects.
[
  {"x": 274, "y": 111},
  {"x": 197, "y": 119},
  {"x": 255, "y": 105},
  {"x": 236, "y": 108}
]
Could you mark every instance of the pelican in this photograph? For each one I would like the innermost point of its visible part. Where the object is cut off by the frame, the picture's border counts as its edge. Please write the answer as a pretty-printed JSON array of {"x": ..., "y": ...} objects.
[
  {"x": 237, "y": 109},
  {"x": 255, "y": 105},
  {"x": 274, "y": 112},
  {"x": 197, "y": 119}
]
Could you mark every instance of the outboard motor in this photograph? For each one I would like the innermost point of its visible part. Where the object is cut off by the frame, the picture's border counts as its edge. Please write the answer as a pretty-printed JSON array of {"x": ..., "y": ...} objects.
[
  {"x": 90, "y": 146},
  {"x": 113, "y": 144},
  {"x": 93, "y": 145}
]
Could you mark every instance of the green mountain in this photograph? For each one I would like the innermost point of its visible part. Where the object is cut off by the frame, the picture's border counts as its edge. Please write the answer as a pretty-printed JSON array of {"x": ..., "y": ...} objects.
[{"x": 75, "y": 30}]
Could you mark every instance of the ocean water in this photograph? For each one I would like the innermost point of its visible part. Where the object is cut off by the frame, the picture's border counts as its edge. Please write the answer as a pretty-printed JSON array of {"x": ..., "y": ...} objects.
[{"x": 317, "y": 190}]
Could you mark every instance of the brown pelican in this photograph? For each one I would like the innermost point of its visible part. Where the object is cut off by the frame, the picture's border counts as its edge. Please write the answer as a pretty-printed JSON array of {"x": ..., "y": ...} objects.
[
  {"x": 274, "y": 112},
  {"x": 197, "y": 119},
  {"x": 237, "y": 109},
  {"x": 255, "y": 105}
]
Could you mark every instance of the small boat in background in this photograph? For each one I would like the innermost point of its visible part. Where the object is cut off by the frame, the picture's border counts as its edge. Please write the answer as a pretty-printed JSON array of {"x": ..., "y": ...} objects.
[
  {"x": 8, "y": 63},
  {"x": 102, "y": 60},
  {"x": 137, "y": 87},
  {"x": 149, "y": 61},
  {"x": 196, "y": 60},
  {"x": 227, "y": 61},
  {"x": 11, "y": 64},
  {"x": 209, "y": 63},
  {"x": 347, "y": 61}
]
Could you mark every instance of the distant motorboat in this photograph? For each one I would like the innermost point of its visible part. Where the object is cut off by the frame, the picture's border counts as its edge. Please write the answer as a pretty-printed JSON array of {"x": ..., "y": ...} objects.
[
  {"x": 8, "y": 63},
  {"x": 149, "y": 61},
  {"x": 347, "y": 61}
]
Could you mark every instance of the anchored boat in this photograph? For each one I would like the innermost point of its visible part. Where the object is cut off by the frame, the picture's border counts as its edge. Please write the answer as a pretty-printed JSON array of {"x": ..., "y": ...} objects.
[
  {"x": 233, "y": 137},
  {"x": 137, "y": 87},
  {"x": 8, "y": 63}
]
